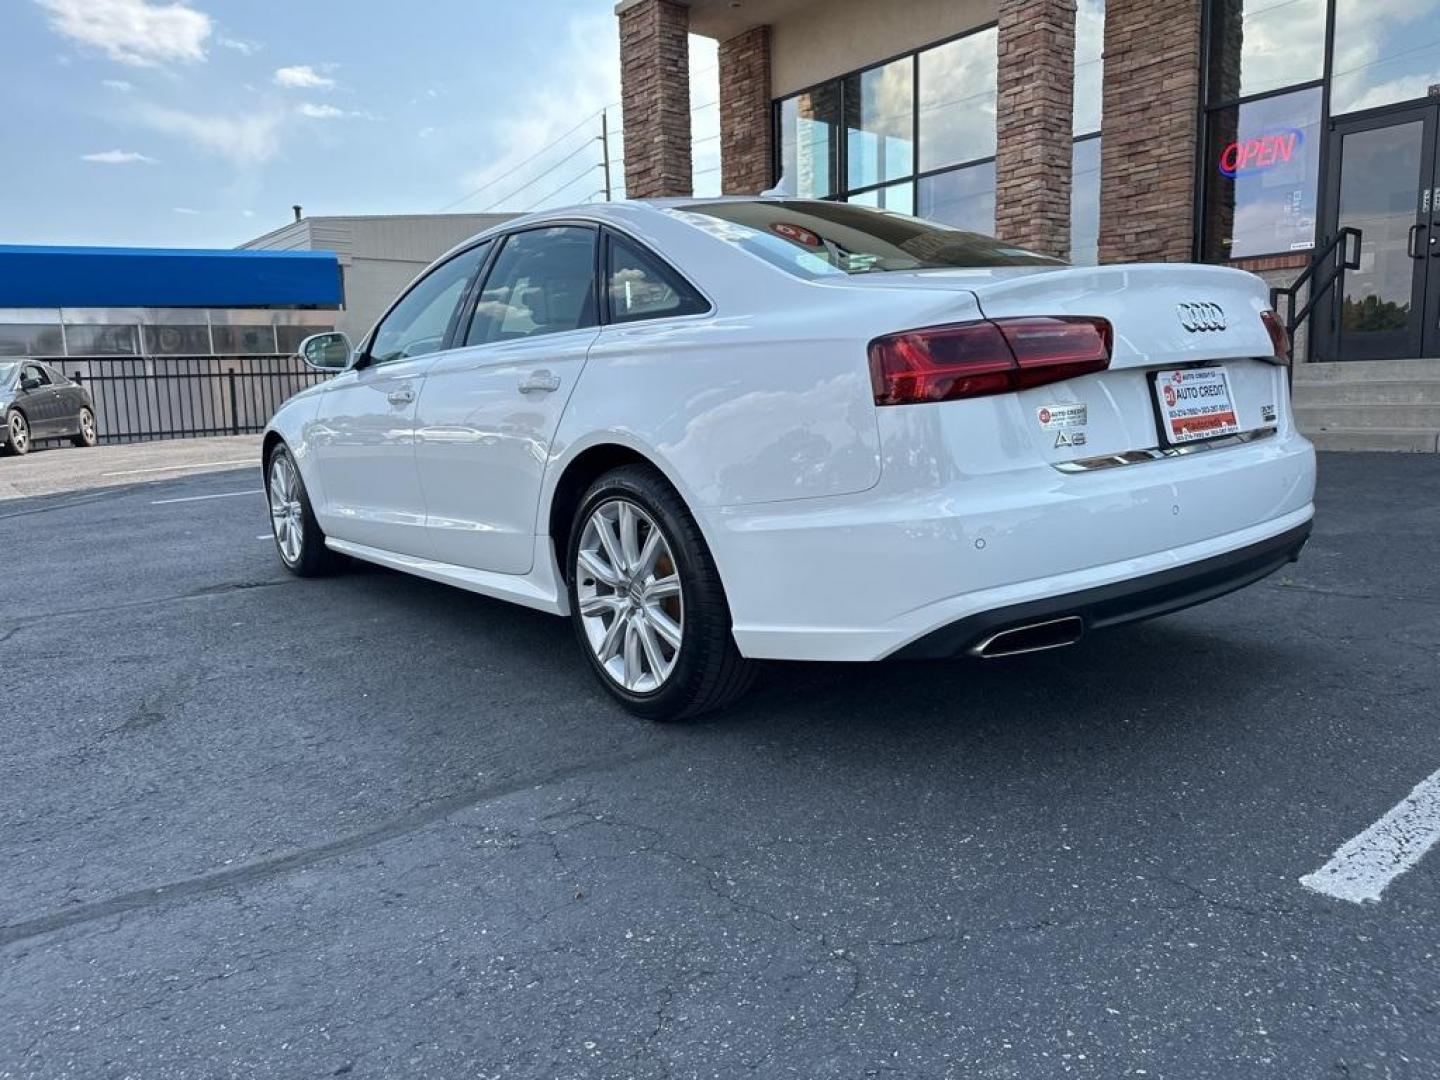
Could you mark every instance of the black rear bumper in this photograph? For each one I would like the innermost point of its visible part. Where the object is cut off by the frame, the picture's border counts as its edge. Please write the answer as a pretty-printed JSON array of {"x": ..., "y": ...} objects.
[{"x": 1124, "y": 601}]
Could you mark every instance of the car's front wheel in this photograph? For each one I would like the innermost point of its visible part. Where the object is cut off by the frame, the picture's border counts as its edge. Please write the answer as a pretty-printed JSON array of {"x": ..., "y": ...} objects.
[
  {"x": 17, "y": 433},
  {"x": 298, "y": 539},
  {"x": 86, "y": 435},
  {"x": 647, "y": 602}
]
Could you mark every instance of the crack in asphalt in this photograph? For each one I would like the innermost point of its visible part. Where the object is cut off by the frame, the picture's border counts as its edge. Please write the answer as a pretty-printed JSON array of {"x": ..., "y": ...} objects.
[
  {"x": 190, "y": 888},
  {"x": 64, "y": 503},
  {"x": 22, "y": 621}
]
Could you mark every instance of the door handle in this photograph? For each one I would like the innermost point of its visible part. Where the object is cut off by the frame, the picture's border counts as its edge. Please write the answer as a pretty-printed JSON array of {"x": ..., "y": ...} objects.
[
  {"x": 402, "y": 396},
  {"x": 1410, "y": 247},
  {"x": 541, "y": 381}
]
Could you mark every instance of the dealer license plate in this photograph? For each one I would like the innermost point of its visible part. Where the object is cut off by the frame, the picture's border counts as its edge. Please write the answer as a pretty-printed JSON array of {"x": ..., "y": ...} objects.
[{"x": 1194, "y": 403}]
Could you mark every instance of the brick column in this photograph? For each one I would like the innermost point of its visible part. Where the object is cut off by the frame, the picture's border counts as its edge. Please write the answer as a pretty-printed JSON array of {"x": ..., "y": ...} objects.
[
  {"x": 1147, "y": 155},
  {"x": 655, "y": 96},
  {"x": 1033, "y": 124},
  {"x": 746, "y": 151}
]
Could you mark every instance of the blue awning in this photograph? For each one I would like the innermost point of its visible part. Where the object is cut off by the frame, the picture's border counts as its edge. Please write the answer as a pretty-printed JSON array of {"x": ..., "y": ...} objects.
[{"x": 95, "y": 277}]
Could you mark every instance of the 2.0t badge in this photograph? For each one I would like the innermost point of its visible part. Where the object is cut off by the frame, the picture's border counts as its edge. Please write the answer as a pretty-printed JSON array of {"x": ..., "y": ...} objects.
[{"x": 1201, "y": 316}]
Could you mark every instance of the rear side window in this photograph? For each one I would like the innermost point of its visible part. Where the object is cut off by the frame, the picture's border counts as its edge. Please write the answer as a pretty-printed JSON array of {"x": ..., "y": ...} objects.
[
  {"x": 543, "y": 282},
  {"x": 639, "y": 285}
]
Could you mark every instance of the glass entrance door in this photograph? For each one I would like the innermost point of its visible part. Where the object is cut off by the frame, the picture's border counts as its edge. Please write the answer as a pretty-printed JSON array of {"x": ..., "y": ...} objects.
[{"x": 1383, "y": 182}]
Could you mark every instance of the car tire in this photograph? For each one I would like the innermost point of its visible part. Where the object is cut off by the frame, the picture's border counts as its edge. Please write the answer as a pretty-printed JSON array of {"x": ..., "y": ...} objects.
[
  {"x": 299, "y": 541},
  {"x": 87, "y": 435},
  {"x": 659, "y": 636},
  {"x": 17, "y": 434}
]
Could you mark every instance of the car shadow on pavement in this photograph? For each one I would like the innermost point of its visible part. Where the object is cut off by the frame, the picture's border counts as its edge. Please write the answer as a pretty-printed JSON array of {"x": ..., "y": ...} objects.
[{"x": 1163, "y": 674}]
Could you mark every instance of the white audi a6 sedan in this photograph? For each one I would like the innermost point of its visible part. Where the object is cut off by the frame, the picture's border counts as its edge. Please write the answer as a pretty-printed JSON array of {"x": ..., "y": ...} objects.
[{"x": 716, "y": 431}]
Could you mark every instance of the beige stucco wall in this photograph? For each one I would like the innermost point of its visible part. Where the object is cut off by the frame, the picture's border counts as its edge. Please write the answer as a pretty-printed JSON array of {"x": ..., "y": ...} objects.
[{"x": 831, "y": 37}]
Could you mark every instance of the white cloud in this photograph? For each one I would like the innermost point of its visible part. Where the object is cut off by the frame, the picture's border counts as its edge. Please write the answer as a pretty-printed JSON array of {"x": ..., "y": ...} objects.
[
  {"x": 246, "y": 139},
  {"x": 425, "y": 132},
  {"x": 247, "y": 213},
  {"x": 302, "y": 77},
  {"x": 185, "y": 210},
  {"x": 118, "y": 84},
  {"x": 244, "y": 48},
  {"x": 134, "y": 32},
  {"x": 118, "y": 157},
  {"x": 320, "y": 112}
]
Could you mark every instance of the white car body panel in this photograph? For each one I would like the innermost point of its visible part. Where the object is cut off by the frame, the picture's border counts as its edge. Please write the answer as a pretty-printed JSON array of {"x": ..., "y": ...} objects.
[
  {"x": 371, "y": 491},
  {"x": 841, "y": 530},
  {"x": 482, "y": 443}
]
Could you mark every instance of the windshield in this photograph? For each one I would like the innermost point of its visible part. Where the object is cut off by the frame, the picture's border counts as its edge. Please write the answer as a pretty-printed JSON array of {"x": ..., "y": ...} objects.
[
  {"x": 819, "y": 239},
  {"x": 7, "y": 373}
]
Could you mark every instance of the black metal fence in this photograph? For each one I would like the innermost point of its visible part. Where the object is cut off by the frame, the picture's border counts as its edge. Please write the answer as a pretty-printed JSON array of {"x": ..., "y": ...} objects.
[{"x": 184, "y": 397}]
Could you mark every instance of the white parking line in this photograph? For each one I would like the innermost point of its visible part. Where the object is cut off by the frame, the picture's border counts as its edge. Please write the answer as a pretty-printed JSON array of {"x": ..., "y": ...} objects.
[
  {"x": 202, "y": 498},
  {"x": 1361, "y": 868},
  {"x": 180, "y": 468}
]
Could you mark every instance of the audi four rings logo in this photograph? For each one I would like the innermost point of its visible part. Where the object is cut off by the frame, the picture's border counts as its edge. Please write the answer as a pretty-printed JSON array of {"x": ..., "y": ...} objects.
[{"x": 1197, "y": 317}]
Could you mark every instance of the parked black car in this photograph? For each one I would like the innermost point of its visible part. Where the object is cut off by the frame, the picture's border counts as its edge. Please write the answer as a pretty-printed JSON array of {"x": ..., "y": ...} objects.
[{"x": 37, "y": 402}]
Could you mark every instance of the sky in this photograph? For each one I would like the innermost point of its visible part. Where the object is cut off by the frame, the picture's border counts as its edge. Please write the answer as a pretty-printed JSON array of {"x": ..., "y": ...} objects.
[{"x": 199, "y": 124}]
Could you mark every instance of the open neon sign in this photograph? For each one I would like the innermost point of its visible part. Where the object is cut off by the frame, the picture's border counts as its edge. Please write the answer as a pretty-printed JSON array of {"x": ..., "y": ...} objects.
[{"x": 1261, "y": 152}]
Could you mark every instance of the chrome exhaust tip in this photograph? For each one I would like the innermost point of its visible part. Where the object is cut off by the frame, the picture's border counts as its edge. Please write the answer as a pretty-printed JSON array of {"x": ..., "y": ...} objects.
[{"x": 1033, "y": 637}]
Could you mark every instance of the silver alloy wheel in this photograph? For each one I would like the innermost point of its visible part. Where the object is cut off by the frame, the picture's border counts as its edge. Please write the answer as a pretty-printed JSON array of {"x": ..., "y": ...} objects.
[
  {"x": 87, "y": 425},
  {"x": 631, "y": 603},
  {"x": 19, "y": 433},
  {"x": 286, "y": 514}
]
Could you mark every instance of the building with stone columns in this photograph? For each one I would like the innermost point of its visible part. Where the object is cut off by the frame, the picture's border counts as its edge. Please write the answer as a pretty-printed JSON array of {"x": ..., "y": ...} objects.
[{"x": 1246, "y": 132}]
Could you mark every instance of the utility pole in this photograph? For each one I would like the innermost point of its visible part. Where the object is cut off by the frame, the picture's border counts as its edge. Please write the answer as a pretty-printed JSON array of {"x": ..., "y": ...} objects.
[{"x": 605, "y": 150}]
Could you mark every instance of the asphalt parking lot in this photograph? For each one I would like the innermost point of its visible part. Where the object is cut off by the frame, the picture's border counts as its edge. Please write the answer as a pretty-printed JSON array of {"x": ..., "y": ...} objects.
[{"x": 372, "y": 827}]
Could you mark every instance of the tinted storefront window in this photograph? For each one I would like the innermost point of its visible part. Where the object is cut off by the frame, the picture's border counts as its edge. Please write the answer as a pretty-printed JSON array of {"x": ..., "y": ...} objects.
[
  {"x": 957, "y": 101},
  {"x": 241, "y": 340},
  {"x": 177, "y": 340},
  {"x": 810, "y": 141},
  {"x": 880, "y": 124},
  {"x": 1262, "y": 169},
  {"x": 964, "y": 198},
  {"x": 1261, "y": 45},
  {"x": 897, "y": 197},
  {"x": 1385, "y": 51},
  {"x": 30, "y": 339},
  {"x": 92, "y": 340},
  {"x": 882, "y": 137}
]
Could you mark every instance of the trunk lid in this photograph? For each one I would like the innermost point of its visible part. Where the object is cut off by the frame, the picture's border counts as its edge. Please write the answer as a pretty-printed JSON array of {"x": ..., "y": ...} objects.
[{"x": 1168, "y": 319}]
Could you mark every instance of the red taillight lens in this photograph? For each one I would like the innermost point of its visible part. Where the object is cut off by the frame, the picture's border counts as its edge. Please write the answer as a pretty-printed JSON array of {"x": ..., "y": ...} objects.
[
  {"x": 1279, "y": 339},
  {"x": 966, "y": 360}
]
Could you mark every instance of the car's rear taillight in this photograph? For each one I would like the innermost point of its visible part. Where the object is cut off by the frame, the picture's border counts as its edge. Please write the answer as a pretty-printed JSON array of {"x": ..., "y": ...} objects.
[
  {"x": 1279, "y": 339},
  {"x": 964, "y": 360}
]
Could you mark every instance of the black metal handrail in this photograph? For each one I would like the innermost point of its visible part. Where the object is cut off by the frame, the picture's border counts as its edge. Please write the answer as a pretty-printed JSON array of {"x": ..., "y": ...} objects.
[{"x": 1325, "y": 257}]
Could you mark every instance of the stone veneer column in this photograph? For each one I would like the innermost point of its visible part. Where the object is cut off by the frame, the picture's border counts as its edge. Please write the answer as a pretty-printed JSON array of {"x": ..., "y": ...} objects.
[
  {"x": 1033, "y": 124},
  {"x": 1148, "y": 148},
  {"x": 655, "y": 96},
  {"x": 746, "y": 133}
]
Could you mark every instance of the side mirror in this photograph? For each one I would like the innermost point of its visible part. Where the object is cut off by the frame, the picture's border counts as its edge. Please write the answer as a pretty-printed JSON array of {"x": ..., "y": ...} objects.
[
  {"x": 326, "y": 352},
  {"x": 29, "y": 382}
]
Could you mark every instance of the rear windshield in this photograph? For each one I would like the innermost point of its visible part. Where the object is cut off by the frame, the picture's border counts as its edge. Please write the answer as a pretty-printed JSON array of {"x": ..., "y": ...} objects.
[{"x": 819, "y": 239}]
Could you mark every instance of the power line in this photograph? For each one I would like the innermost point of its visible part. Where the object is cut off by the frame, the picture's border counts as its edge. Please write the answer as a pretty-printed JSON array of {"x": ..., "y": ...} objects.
[
  {"x": 569, "y": 183},
  {"x": 540, "y": 176},
  {"x": 511, "y": 172}
]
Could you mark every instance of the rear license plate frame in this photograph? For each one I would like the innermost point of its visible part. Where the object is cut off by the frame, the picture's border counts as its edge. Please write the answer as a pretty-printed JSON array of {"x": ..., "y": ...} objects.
[{"x": 1201, "y": 375}]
